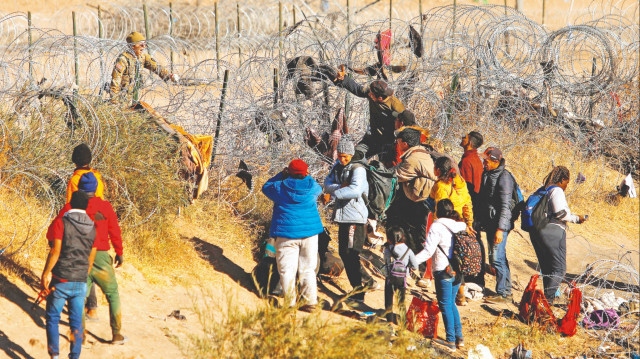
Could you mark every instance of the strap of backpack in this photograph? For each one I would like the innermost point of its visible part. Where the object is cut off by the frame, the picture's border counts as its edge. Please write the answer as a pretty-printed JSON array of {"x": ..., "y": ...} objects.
[
  {"x": 354, "y": 166},
  {"x": 405, "y": 253}
]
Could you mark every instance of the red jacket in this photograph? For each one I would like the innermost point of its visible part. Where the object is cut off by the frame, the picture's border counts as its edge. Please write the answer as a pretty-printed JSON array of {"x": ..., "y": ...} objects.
[
  {"x": 471, "y": 170},
  {"x": 107, "y": 228}
]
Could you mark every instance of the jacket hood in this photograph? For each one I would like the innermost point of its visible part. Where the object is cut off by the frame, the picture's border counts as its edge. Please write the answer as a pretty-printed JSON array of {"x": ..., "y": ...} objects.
[
  {"x": 298, "y": 189},
  {"x": 80, "y": 220}
]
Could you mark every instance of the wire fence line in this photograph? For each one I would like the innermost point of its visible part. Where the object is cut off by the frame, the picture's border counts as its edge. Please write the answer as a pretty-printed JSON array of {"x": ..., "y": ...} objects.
[{"x": 486, "y": 65}]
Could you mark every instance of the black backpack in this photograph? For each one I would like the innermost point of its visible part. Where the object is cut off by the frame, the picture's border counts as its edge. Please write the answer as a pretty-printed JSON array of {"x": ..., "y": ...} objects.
[{"x": 382, "y": 187}]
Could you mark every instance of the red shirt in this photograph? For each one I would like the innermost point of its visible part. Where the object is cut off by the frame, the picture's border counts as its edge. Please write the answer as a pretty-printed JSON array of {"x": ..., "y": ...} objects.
[
  {"x": 471, "y": 169},
  {"x": 107, "y": 228}
]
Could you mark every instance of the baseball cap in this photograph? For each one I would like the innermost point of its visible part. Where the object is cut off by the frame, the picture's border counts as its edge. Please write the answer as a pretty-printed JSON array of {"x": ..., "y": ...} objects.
[{"x": 493, "y": 153}]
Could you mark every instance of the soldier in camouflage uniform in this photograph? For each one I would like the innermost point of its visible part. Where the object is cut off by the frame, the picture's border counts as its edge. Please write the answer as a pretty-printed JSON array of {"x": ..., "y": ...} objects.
[{"x": 126, "y": 77}]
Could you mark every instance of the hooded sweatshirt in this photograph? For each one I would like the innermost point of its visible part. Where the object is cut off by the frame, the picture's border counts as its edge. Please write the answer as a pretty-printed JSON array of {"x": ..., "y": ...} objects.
[
  {"x": 295, "y": 212},
  {"x": 78, "y": 238}
]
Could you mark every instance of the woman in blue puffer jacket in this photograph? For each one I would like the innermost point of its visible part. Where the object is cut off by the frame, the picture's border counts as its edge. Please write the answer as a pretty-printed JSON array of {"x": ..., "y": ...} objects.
[
  {"x": 296, "y": 224},
  {"x": 347, "y": 185}
]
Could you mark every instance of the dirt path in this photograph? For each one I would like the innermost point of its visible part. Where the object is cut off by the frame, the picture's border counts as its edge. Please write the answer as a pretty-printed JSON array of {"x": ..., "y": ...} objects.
[{"x": 224, "y": 277}]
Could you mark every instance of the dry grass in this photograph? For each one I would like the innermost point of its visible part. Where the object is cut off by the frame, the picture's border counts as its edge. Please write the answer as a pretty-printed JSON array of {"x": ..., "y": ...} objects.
[{"x": 269, "y": 332}]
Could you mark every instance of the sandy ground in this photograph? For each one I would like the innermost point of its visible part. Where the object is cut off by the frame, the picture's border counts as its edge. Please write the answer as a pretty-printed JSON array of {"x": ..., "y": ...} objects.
[{"x": 225, "y": 275}]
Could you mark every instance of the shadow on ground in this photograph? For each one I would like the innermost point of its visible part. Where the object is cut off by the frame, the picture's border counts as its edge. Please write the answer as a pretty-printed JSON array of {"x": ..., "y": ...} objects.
[{"x": 214, "y": 255}]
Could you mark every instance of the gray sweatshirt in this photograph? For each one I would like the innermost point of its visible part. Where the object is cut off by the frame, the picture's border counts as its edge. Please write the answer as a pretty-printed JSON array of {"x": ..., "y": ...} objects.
[{"x": 398, "y": 251}]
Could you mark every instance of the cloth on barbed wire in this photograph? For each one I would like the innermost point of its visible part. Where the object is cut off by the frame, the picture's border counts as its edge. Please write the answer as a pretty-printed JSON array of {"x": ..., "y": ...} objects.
[
  {"x": 327, "y": 144},
  {"x": 415, "y": 40},
  {"x": 308, "y": 71},
  {"x": 383, "y": 41},
  {"x": 127, "y": 67},
  {"x": 272, "y": 123},
  {"x": 535, "y": 308},
  {"x": 195, "y": 149}
]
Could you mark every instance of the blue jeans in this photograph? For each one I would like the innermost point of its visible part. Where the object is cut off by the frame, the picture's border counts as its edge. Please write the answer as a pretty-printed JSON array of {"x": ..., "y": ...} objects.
[
  {"x": 73, "y": 294},
  {"x": 446, "y": 292},
  {"x": 498, "y": 260}
]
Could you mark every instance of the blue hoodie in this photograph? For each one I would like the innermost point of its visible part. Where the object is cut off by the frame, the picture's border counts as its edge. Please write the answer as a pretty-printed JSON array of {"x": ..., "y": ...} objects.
[{"x": 295, "y": 212}]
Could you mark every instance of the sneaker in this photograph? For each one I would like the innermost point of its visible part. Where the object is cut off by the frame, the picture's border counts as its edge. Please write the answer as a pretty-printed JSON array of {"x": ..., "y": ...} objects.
[
  {"x": 308, "y": 308},
  {"x": 424, "y": 283},
  {"x": 459, "y": 343},
  {"x": 447, "y": 345},
  {"x": 91, "y": 315},
  {"x": 499, "y": 299},
  {"x": 119, "y": 339}
]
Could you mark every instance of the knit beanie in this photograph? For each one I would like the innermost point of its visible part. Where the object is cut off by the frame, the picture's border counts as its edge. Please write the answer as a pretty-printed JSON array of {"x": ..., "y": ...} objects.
[
  {"x": 88, "y": 182},
  {"x": 345, "y": 146},
  {"x": 79, "y": 200},
  {"x": 81, "y": 155},
  {"x": 298, "y": 167}
]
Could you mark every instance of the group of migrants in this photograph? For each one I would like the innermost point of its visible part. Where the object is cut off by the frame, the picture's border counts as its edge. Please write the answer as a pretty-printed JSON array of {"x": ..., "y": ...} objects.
[
  {"x": 475, "y": 195},
  {"x": 472, "y": 196}
]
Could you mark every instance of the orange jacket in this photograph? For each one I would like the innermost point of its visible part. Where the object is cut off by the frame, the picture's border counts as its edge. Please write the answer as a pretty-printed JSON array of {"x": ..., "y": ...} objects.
[{"x": 75, "y": 178}]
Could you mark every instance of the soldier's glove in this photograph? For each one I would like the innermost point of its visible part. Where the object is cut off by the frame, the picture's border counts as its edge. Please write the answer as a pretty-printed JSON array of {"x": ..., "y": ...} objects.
[
  {"x": 175, "y": 78},
  {"x": 118, "y": 260}
]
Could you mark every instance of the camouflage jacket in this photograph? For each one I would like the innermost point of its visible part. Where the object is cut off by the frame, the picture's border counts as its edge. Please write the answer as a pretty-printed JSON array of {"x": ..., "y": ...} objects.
[{"x": 123, "y": 77}]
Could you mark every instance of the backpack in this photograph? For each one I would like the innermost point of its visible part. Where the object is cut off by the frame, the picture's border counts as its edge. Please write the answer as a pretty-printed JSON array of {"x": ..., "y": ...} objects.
[
  {"x": 601, "y": 319},
  {"x": 516, "y": 198},
  {"x": 467, "y": 255},
  {"x": 398, "y": 269},
  {"x": 527, "y": 212},
  {"x": 382, "y": 187},
  {"x": 539, "y": 216}
]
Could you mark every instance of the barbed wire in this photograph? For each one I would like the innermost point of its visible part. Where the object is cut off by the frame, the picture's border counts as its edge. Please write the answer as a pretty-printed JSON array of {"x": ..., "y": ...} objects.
[{"x": 486, "y": 67}]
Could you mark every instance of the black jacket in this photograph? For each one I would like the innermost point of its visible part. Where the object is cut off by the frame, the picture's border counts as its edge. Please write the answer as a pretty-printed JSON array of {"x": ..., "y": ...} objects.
[{"x": 496, "y": 199}]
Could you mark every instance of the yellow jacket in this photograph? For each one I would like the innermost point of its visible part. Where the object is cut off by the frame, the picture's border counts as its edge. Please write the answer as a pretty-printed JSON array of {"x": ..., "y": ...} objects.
[
  {"x": 75, "y": 178},
  {"x": 458, "y": 193}
]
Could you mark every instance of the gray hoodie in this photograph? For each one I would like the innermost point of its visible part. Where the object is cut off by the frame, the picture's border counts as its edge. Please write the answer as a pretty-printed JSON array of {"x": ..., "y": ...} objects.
[{"x": 78, "y": 237}]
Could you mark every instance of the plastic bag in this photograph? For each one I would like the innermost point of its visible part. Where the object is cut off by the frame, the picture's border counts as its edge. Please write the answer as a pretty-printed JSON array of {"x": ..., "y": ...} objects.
[{"x": 422, "y": 317}]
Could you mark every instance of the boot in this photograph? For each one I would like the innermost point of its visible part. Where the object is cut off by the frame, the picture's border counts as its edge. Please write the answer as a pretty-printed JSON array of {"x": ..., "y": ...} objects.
[{"x": 461, "y": 300}]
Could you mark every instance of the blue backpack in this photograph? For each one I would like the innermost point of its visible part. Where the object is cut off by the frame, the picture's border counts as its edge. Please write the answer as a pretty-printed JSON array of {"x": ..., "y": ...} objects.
[{"x": 527, "y": 212}]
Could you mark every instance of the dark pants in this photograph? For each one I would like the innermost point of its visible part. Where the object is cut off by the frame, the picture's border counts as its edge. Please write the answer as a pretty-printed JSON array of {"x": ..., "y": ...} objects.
[
  {"x": 392, "y": 286},
  {"x": 412, "y": 217},
  {"x": 551, "y": 249},
  {"x": 350, "y": 255}
]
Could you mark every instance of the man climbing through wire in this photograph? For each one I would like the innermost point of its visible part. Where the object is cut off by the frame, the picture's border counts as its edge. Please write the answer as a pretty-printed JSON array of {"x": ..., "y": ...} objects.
[
  {"x": 384, "y": 109},
  {"x": 126, "y": 78}
]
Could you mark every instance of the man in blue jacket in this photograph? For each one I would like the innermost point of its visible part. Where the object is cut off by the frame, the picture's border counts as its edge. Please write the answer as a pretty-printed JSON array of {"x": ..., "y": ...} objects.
[
  {"x": 347, "y": 185},
  {"x": 296, "y": 224}
]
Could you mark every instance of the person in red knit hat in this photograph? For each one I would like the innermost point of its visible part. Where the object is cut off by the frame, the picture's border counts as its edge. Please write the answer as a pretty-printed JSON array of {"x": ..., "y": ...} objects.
[{"x": 107, "y": 233}]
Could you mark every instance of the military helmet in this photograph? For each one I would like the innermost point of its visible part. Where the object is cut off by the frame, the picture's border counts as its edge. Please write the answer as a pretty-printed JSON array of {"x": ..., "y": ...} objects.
[{"x": 135, "y": 37}]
